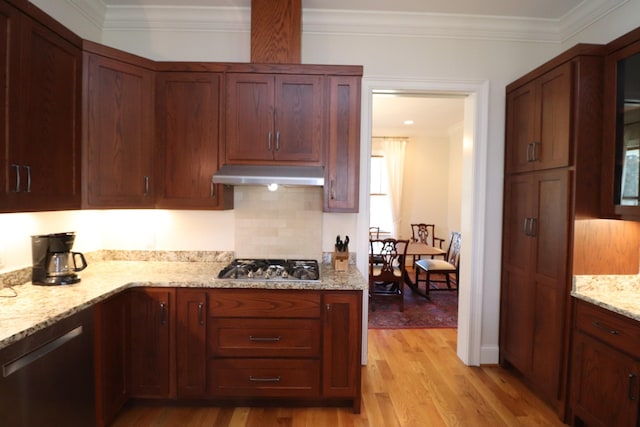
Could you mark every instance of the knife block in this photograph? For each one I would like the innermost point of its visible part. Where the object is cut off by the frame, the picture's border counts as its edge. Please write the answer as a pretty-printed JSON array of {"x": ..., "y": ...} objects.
[{"x": 340, "y": 260}]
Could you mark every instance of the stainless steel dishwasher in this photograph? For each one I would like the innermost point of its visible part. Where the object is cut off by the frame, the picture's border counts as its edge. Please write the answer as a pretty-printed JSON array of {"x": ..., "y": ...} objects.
[{"x": 47, "y": 379}]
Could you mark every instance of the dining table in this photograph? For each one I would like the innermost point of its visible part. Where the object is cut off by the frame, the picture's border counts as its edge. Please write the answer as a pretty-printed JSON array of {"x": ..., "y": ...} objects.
[{"x": 422, "y": 249}]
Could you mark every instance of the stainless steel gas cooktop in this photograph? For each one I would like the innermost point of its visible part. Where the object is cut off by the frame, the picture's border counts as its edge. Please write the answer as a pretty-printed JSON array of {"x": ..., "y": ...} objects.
[{"x": 272, "y": 270}]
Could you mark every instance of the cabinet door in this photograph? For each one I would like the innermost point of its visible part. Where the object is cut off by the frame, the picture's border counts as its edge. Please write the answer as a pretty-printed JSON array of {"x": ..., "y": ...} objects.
[
  {"x": 112, "y": 357},
  {"x": 342, "y": 345},
  {"x": 249, "y": 118},
  {"x": 342, "y": 165},
  {"x": 539, "y": 122},
  {"x": 188, "y": 108},
  {"x": 191, "y": 340},
  {"x": 555, "y": 109},
  {"x": 9, "y": 24},
  {"x": 298, "y": 119},
  {"x": 517, "y": 295},
  {"x": 118, "y": 133},
  {"x": 605, "y": 386},
  {"x": 521, "y": 128},
  {"x": 44, "y": 127},
  {"x": 535, "y": 282},
  {"x": 152, "y": 316},
  {"x": 550, "y": 281}
]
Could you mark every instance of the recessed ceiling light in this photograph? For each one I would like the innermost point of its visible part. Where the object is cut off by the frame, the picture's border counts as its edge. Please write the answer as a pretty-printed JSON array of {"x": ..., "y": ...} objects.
[{"x": 408, "y": 122}]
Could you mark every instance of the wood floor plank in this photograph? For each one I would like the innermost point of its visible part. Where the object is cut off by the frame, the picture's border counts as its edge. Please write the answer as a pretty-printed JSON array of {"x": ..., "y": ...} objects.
[{"x": 413, "y": 379}]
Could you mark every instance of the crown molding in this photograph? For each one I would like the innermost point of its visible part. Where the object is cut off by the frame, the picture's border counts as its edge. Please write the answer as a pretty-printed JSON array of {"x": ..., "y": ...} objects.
[
  {"x": 94, "y": 10},
  {"x": 583, "y": 16},
  {"x": 318, "y": 21}
]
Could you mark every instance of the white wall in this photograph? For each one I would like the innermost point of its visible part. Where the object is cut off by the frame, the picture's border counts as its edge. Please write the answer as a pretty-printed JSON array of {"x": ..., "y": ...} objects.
[
  {"x": 428, "y": 173},
  {"x": 394, "y": 56}
]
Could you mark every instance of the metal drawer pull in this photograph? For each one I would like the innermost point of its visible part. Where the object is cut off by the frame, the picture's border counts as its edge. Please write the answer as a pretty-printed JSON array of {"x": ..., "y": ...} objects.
[
  {"x": 18, "y": 184},
  {"x": 28, "y": 168},
  {"x": 632, "y": 380},
  {"x": 163, "y": 313},
  {"x": 268, "y": 339},
  {"x": 605, "y": 328},
  {"x": 200, "y": 314},
  {"x": 27, "y": 359},
  {"x": 264, "y": 380}
]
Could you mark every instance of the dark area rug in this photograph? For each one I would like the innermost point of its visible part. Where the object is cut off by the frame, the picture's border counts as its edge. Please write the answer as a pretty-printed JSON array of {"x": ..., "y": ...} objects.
[{"x": 419, "y": 312}]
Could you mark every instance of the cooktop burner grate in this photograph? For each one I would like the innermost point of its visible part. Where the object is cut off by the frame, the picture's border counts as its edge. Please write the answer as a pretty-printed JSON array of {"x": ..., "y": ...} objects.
[{"x": 271, "y": 269}]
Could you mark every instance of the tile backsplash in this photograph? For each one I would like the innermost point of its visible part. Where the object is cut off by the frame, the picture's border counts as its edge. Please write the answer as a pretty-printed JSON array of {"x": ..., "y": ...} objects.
[{"x": 286, "y": 223}]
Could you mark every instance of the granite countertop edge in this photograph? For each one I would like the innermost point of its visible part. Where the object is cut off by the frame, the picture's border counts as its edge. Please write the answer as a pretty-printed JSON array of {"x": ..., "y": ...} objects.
[
  {"x": 617, "y": 293},
  {"x": 35, "y": 307}
]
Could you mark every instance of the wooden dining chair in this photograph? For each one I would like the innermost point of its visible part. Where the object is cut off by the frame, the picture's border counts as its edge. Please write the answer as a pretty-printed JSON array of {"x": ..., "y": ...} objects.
[
  {"x": 374, "y": 234},
  {"x": 425, "y": 233},
  {"x": 448, "y": 267},
  {"x": 386, "y": 280}
]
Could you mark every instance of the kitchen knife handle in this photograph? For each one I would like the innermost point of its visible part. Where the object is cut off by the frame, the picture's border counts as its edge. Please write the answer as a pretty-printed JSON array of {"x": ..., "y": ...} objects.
[
  {"x": 28, "y": 168},
  {"x": 17, "y": 187}
]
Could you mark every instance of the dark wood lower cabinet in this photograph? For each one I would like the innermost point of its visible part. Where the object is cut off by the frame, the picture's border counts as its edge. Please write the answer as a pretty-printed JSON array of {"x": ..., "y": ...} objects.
[
  {"x": 152, "y": 360},
  {"x": 191, "y": 340},
  {"x": 605, "y": 386},
  {"x": 112, "y": 357},
  {"x": 225, "y": 345}
]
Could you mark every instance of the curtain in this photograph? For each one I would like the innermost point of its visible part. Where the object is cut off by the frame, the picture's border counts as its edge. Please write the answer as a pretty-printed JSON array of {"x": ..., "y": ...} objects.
[{"x": 393, "y": 151}]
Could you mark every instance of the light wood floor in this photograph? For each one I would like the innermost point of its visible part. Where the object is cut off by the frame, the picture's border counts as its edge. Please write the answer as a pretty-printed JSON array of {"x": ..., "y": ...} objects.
[{"x": 413, "y": 378}]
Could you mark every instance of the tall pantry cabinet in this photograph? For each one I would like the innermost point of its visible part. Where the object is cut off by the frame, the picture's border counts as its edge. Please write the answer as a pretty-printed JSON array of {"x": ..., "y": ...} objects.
[{"x": 552, "y": 152}]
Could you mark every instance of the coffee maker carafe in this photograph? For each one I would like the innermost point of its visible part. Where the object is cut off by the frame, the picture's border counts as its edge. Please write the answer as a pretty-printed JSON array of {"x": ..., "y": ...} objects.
[{"x": 53, "y": 261}]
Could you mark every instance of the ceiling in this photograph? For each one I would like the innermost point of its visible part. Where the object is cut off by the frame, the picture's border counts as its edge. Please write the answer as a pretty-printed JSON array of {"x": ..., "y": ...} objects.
[
  {"x": 542, "y": 9},
  {"x": 432, "y": 115}
]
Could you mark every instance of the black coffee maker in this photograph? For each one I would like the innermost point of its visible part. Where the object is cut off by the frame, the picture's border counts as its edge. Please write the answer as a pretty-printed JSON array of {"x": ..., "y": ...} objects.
[{"x": 53, "y": 261}]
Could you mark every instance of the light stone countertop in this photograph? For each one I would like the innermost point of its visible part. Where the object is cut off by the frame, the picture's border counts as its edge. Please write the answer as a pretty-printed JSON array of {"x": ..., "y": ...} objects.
[
  {"x": 36, "y": 307},
  {"x": 618, "y": 293}
]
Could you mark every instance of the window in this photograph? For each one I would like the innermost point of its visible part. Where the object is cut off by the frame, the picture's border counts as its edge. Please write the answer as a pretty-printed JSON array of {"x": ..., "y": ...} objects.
[{"x": 380, "y": 212}]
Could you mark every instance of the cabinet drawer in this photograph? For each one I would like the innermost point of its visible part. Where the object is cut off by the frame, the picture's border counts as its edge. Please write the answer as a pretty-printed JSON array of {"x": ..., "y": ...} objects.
[
  {"x": 264, "y": 303},
  {"x": 264, "y": 337},
  {"x": 264, "y": 377},
  {"x": 614, "y": 329}
]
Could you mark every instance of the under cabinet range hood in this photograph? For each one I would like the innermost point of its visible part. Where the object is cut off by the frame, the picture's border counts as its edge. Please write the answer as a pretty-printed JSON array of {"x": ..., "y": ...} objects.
[{"x": 265, "y": 175}]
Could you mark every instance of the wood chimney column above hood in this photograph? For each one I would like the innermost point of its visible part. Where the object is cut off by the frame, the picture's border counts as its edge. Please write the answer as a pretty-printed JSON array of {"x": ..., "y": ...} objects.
[{"x": 276, "y": 31}]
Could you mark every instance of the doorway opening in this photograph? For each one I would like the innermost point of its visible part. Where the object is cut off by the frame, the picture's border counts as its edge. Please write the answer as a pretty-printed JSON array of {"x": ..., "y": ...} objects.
[
  {"x": 472, "y": 188},
  {"x": 415, "y": 178}
]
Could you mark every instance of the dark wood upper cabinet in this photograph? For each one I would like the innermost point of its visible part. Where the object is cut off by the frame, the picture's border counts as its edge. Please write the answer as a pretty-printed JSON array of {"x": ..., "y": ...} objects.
[
  {"x": 41, "y": 74},
  {"x": 342, "y": 165},
  {"x": 274, "y": 119},
  {"x": 539, "y": 122},
  {"x": 621, "y": 154},
  {"x": 188, "y": 127},
  {"x": 118, "y": 146}
]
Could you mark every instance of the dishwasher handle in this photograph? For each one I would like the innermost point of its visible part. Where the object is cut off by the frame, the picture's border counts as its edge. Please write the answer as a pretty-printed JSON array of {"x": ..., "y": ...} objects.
[{"x": 30, "y": 357}]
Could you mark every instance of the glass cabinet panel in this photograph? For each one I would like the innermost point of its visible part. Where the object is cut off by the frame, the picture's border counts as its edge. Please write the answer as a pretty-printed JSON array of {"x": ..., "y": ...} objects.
[{"x": 628, "y": 129}]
